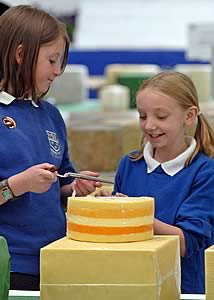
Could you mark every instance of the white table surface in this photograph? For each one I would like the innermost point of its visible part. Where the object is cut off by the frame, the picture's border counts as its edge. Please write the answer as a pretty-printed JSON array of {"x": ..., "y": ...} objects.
[{"x": 36, "y": 294}]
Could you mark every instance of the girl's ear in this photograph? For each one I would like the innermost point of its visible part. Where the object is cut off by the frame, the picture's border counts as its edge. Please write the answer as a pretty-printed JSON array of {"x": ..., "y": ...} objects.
[
  {"x": 191, "y": 115},
  {"x": 19, "y": 54}
]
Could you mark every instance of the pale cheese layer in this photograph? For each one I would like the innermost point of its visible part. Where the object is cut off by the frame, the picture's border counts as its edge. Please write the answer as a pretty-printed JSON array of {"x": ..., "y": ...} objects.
[
  {"x": 110, "y": 222},
  {"x": 109, "y": 202},
  {"x": 132, "y": 237}
]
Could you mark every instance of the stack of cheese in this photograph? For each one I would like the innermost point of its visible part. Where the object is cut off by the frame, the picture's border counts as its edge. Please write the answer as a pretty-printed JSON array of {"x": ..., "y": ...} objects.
[
  {"x": 209, "y": 271},
  {"x": 80, "y": 270}
]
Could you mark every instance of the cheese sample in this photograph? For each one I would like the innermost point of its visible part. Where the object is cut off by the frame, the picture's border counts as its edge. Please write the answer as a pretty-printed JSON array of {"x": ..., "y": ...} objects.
[
  {"x": 118, "y": 271},
  {"x": 209, "y": 273},
  {"x": 110, "y": 219}
]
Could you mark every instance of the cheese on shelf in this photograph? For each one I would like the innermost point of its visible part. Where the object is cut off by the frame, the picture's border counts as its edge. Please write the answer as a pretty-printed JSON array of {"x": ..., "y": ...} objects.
[
  {"x": 97, "y": 147},
  {"x": 111, "y": 271},
  {"x": 110, "y": 219},
  {"x": 102, "y": 138}
]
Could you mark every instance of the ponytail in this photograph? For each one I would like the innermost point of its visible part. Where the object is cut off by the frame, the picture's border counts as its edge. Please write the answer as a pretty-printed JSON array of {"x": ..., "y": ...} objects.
[{"x": 204, "y": 137}]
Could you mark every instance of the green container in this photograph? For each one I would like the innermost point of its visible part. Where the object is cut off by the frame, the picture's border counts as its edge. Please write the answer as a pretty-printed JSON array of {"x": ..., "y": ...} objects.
[
  {"x": 4, "y": 269},
  {"x": 133, "y": 81}
]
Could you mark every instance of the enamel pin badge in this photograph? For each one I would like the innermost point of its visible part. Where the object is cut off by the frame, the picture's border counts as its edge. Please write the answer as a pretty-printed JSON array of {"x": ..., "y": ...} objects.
[{"x": 9, "y": 122}]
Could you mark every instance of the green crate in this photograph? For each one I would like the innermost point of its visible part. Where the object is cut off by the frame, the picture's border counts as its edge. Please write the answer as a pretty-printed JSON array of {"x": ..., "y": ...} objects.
[{"x": 133, "y": 81}]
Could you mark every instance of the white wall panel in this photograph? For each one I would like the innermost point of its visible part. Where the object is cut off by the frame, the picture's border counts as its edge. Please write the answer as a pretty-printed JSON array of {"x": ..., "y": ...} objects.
[{"x": 131, "y": 24}]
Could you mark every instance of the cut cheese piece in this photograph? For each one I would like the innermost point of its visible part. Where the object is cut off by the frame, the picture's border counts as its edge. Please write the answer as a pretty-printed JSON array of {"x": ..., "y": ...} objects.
[
  {"x": 111, "y": 271},
  {"x": 110, "y": 219},
  {"x": 209, "y": 272}
]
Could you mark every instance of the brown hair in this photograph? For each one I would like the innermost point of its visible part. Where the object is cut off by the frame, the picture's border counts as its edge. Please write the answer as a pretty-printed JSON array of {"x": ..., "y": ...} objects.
[
  {"x": 32, "y": 28},
  {"x": 181, "y": 88}
]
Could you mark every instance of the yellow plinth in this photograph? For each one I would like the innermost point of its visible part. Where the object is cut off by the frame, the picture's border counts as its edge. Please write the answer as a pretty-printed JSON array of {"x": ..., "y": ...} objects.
[
  {"x": 209, "y": 272},
  {"x": 101, "y": 271}
]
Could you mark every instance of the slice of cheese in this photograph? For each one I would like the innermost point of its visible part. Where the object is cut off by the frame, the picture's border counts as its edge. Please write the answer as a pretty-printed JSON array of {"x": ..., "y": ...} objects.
[
  {"x": 209, "y": 272},
  {"x": 110, "y": 219},
  {"x": 111, "y": 271}
]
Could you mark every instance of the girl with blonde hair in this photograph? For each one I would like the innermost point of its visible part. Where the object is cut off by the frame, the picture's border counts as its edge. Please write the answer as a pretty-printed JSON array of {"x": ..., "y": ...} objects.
[{"x": 176, "y": 169}]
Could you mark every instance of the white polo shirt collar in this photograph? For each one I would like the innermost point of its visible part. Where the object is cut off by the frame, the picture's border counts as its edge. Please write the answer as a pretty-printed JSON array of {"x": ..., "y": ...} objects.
[
  {"x": 170, "y": 167},
  {"x": 6, "y": 99}
]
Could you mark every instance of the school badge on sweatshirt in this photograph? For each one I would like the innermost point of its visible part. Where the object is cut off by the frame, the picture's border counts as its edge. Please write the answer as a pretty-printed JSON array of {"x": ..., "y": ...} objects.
[
  {"x": 54, "y": 143},
  {"x": 9, "y": 122}
]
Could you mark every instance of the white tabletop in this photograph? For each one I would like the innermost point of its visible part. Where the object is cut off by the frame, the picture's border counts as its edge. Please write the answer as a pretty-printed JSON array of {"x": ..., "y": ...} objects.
[{"x": 37, "y": 294}]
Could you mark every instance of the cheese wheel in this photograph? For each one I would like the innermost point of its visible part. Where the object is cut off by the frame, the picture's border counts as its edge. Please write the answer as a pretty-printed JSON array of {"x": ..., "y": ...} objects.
[{"x": 110, "y": 219}]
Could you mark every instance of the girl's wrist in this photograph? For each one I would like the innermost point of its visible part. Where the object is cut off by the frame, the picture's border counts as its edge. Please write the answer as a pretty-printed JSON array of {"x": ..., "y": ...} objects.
[{"x": 17, "y": 184}]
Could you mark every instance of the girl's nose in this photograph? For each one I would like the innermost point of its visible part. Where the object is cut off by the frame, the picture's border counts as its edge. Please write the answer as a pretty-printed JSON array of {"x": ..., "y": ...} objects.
[
  {"x": 57, "y": 70},
  {"x": 149, "y": 124}
]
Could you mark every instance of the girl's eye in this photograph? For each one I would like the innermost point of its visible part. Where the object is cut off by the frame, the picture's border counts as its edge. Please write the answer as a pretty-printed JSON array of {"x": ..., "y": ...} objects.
[
  {"x": 52, "y": 61},
  {"x": 142, "y": 117},
  {"x": 161, "y": 117}
]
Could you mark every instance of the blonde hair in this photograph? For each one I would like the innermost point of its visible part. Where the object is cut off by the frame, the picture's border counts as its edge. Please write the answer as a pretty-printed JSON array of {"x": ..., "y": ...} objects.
[
  {"x": 181, "y": 88},
  {"x": 32, "y": 28}
]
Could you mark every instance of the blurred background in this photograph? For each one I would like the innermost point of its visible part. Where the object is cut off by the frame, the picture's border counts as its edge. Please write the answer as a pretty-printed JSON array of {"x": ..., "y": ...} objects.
[{"x": 115, "y": 46}]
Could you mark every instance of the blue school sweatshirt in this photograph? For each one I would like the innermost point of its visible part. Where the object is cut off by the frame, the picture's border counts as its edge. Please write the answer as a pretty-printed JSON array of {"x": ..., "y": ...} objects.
[
  {"x": 33, "y": 220},
  {"x": 185, "y": 200}
]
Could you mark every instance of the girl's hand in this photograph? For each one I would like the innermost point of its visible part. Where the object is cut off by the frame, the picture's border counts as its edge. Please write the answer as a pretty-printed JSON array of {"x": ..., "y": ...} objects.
[
  {"x": 103, "y": 193},
  {"x": 84, "y": 187},
  {"x": 120, "y": 195},
  {"x": 36, "y": 179}
]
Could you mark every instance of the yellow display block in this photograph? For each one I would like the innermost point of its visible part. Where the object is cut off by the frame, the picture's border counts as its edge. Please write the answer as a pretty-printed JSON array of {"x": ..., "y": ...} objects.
[
  {"x": 209, "y": 272},
  {"x": 73, "y": 270}
]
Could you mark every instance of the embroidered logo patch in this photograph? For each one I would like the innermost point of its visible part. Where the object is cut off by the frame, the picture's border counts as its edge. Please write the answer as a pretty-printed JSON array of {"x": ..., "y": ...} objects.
[
  {"x": 9, "y": 122},
  {"x": 54, "y": 143}
]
